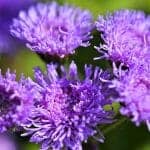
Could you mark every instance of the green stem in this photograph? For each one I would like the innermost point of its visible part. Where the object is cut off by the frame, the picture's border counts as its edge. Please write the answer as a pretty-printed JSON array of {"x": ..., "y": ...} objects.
[{"x": 114, "y": 126}]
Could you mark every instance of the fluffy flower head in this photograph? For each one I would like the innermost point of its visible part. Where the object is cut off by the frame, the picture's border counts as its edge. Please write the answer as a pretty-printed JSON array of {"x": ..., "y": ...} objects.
[
  {"x": 52, "y": 29},
  {"x": 126, "y": 35},
  {"x": 134, "y": 89},
  {"x": 16, "y": 101},
  {"x": 69, "y": 109}
]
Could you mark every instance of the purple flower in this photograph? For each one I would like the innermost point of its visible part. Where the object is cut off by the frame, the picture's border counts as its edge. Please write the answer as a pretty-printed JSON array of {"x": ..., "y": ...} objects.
[
  {"x": 8, "y": 10},
  {"x": 134, "y": 89},
  {"x": 52, "y": 29},
  {"x": 69, "y": 109},
  {"x": 126, "y": 36},
  {"x": 16, "y": 101}
]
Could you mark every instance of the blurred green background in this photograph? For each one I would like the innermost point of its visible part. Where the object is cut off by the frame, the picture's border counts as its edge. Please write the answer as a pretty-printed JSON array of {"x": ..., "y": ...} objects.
[{"x": 125, "y": 136}]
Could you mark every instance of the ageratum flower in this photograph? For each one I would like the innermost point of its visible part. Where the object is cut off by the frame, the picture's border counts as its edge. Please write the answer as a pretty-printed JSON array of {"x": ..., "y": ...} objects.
[
  {"x": 8, "y": 10},
  {"x": 134, "y": 89},
  {"x": 16, "y": 101},
  {"x": 52, "y": 29},
  {"x": 126, "y": 36},
  {"x": 69, "y": 109}
]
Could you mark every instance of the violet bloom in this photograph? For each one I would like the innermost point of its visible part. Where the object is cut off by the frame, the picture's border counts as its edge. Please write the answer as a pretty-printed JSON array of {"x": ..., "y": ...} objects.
[
  {"x": 126, "y": 35},
  {"x": 8, "y": 10},
  {"x": 52, "y": 29},
  {"x": 69, "y": 109},
  {"x": 16, "y": 101},
  {"x": 134, "y": 89}
]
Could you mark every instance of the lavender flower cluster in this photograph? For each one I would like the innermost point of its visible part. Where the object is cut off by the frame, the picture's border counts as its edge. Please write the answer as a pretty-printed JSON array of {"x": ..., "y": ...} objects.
[
  {"x": 52, "y": 29},
  {"x": 59, "y": 108},
  {"x": 126, "y": 35}
]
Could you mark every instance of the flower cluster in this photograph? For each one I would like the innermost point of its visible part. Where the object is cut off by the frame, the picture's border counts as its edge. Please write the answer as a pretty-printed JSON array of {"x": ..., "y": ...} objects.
[
  {"x": 69, "y": 109},
  {"x": 60, "y": 109},
  {"x": 126, "y": 36},
  {"x": 52, "y": 29},
  {"x": 134, "y": 90},
  {"x": 16, "y": 101}
]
